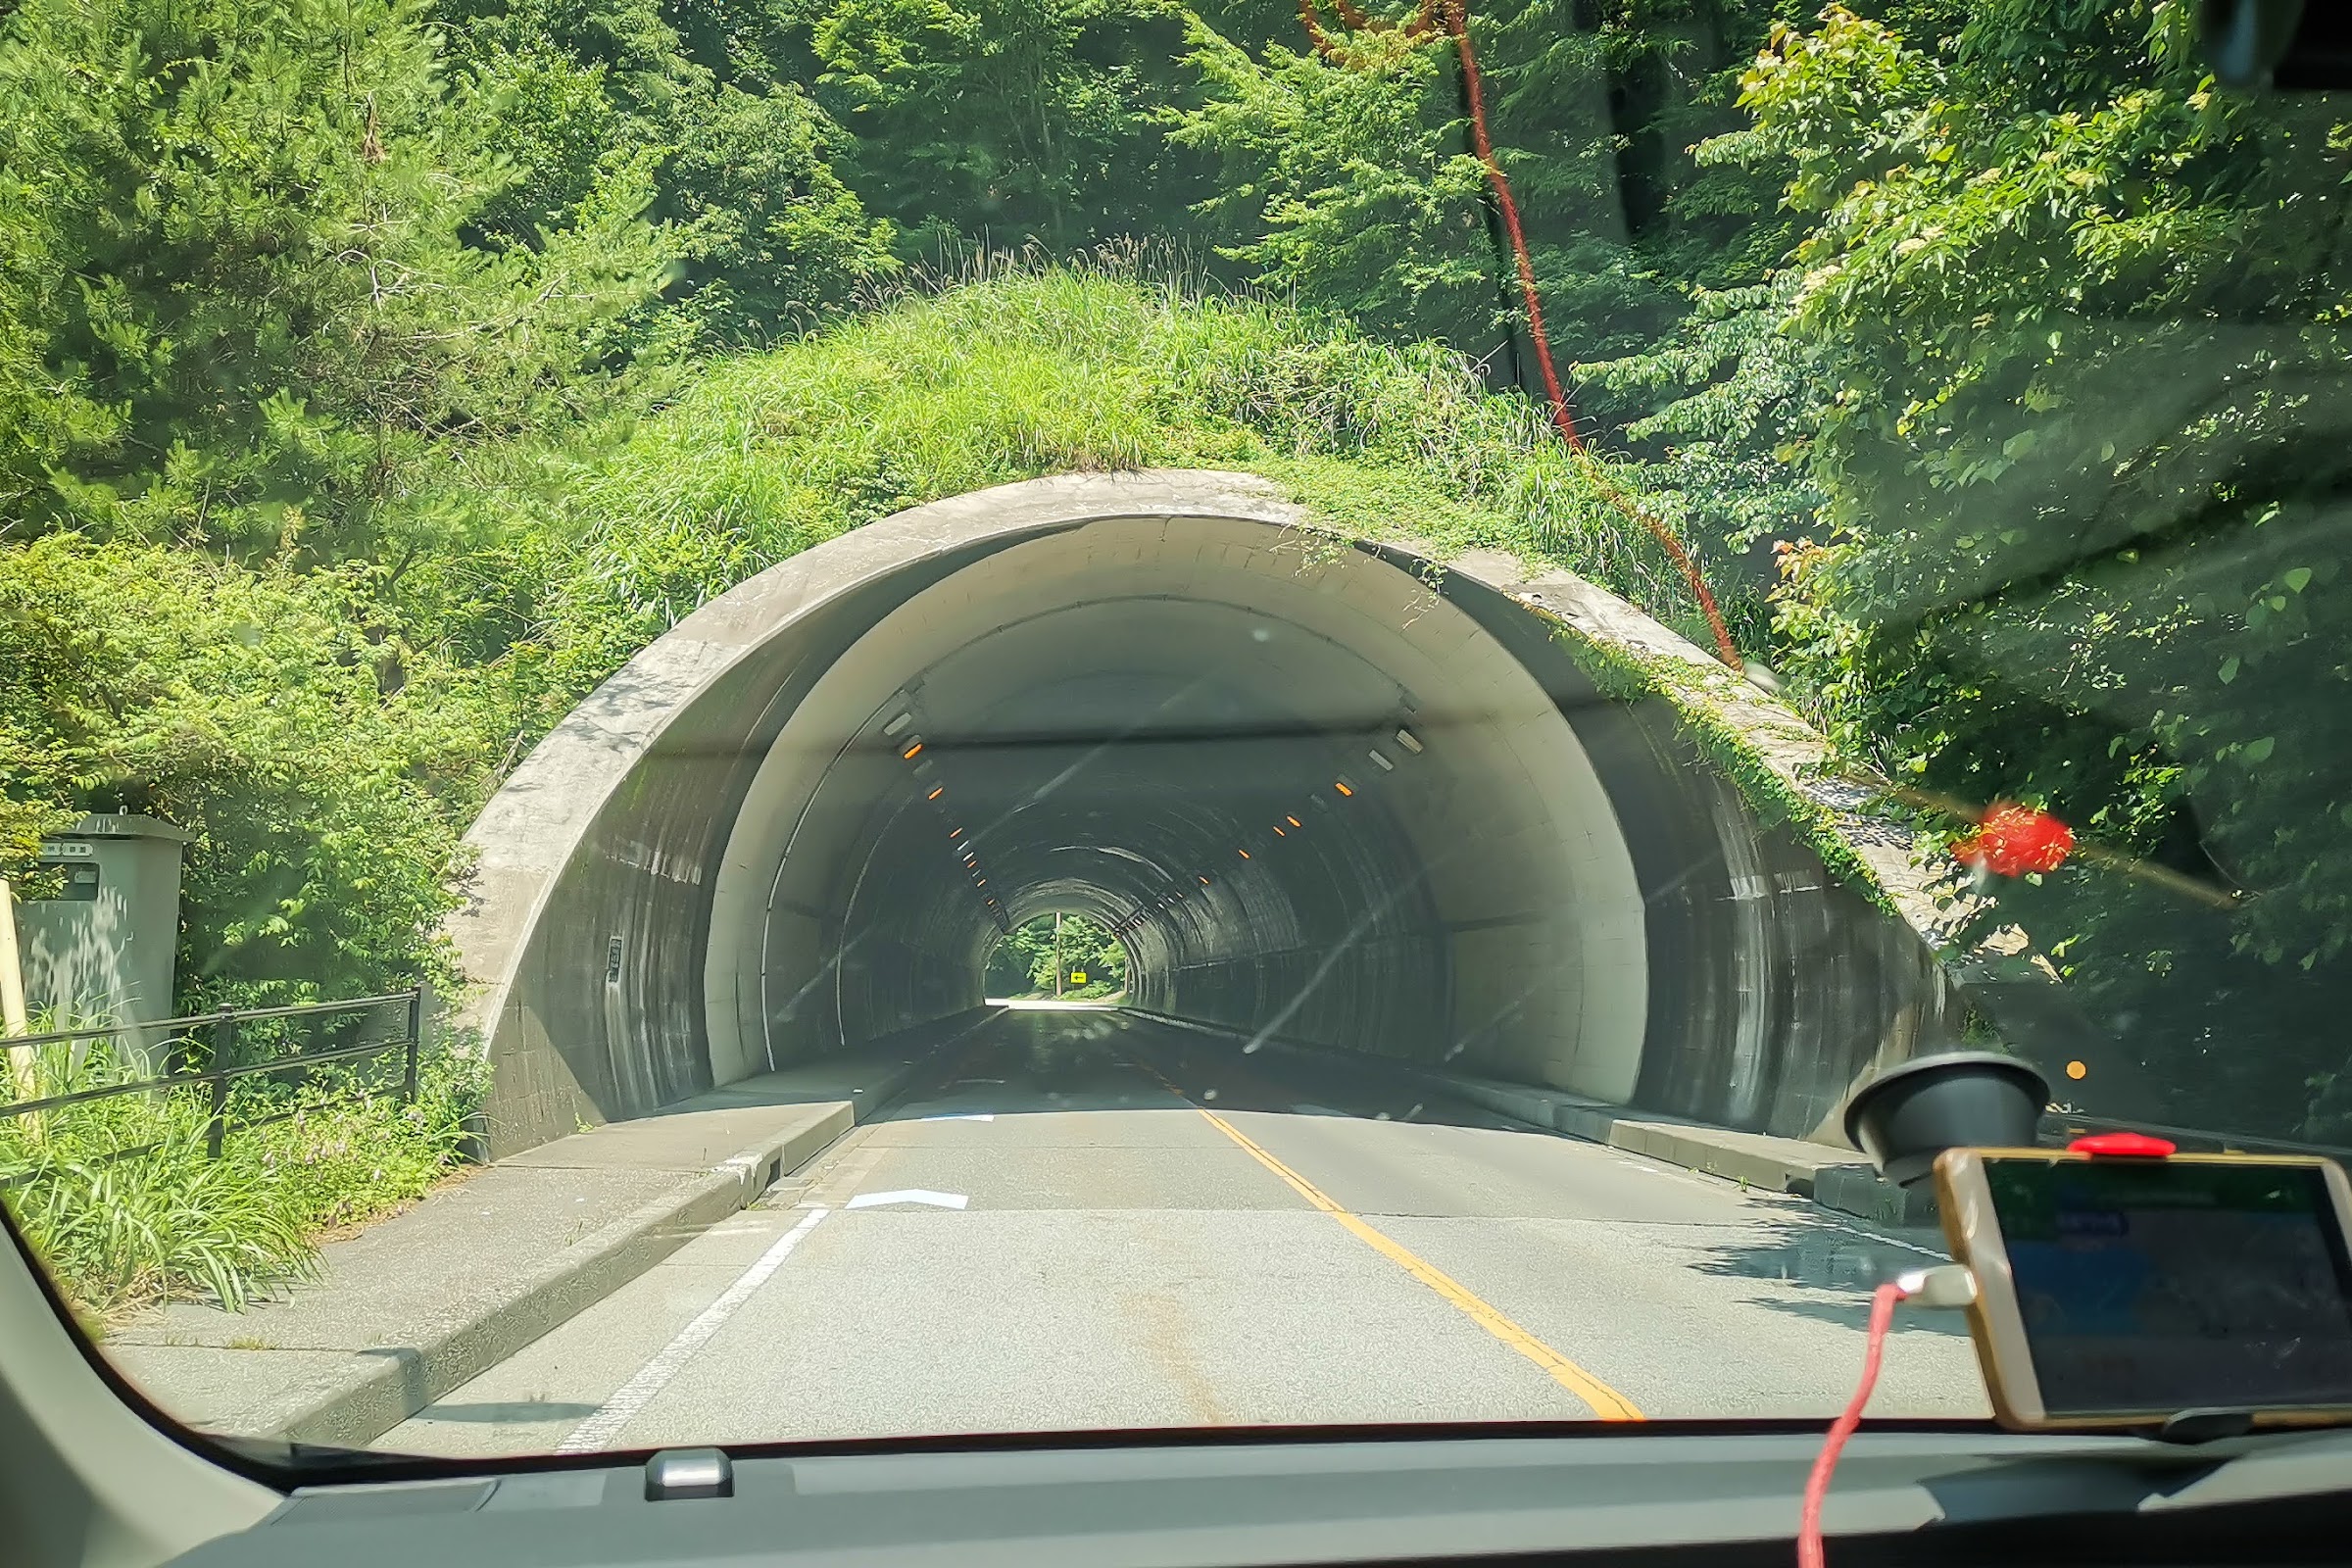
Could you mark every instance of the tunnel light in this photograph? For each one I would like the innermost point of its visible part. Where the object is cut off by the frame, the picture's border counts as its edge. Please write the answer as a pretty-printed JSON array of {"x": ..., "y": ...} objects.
[
  {"x": 1380, "y": 762},
  {"x": 1294, "y": 822},
  {"x": 1410, "y": 741},
  {"x": 911, "y": 752},
  {"x": 1280, "y": 834},
  {"x": 935, "y": 794},
  {"x": 954, "y": 833},
  {"x": 1244, "y": 854},
  {"x": 1341, "y": 786},
  {"x": 899, "y": 724},
  {"x": 1204, "y": 881}
]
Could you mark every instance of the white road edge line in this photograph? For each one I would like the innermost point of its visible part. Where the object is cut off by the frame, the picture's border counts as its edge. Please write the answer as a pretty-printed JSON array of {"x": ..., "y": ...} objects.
[{"x": 599, "y": 1429}]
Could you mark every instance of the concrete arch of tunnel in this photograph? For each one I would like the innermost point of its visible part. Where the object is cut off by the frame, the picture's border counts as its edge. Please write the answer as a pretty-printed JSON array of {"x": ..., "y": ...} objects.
[{"x": 795, "y": 825}]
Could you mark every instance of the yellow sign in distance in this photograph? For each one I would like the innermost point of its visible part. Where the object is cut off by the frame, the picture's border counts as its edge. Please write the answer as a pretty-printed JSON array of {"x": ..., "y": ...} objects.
[{"x": 1077, "y": 977}]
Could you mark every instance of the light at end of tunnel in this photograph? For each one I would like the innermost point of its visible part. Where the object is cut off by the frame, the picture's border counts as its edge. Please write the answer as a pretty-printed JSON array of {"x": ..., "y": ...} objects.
[
  {"x": 935, "y": 795},
  {"x": 912, "y": 752},
  {"x": 1244, "y": 854},
  {"x": 1341, "y": 786},
  {"x": 2077, "y": 1070},
  {"x": 1381, "y": 762},
  {"x": 1410, "y": 741}
]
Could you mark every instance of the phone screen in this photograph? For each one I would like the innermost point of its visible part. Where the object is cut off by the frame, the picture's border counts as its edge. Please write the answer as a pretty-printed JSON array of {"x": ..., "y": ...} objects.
[{"x": 2161, "y": 1286}]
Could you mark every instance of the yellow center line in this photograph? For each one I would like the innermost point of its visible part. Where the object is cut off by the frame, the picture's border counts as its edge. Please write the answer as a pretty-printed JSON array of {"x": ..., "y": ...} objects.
[{"x": 1606, "y": 1402}]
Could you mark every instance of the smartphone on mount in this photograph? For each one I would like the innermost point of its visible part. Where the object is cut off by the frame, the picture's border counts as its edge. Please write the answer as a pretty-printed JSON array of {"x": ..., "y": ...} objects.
[{"x": 2125, "y": 1292}]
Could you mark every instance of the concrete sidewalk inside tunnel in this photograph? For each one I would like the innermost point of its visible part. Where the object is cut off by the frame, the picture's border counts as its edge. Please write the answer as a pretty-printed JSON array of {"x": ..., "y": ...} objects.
[{"x": 1317, "y": 790}]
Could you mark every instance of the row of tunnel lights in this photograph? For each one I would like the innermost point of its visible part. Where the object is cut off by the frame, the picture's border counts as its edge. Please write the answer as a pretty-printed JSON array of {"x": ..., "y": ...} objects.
[
  {"x": 926, "y": 775},
  {"x": 899, "y": 732},
  {"x": 1343, "y": 787}
]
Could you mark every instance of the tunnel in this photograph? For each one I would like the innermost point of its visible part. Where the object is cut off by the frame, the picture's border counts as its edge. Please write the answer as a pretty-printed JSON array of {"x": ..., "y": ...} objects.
[{"x": 1331, "y": 793}]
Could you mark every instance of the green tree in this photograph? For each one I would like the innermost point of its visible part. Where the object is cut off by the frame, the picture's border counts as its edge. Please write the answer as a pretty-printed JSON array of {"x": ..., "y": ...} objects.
[
  {"x": 1025, "y": 962},
  {"x": 2077, "y": 320},
  {"x": 251, "y": 708},
  {"x": 708, "y": 103},
  {"x": 1009, "y": 120},
  {"x": 237, "y": 302}
]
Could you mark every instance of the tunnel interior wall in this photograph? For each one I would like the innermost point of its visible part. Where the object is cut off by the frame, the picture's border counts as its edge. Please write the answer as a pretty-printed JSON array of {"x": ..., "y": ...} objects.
[
  {"x": 1788, "y": 984},
  {"x": 1364, "y": 806}
]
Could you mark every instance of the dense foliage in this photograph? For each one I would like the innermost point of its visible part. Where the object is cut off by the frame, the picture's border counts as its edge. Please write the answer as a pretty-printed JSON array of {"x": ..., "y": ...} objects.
[
  {"x": 1068, "y": 955},
  {"x": 375, "y": 376}
]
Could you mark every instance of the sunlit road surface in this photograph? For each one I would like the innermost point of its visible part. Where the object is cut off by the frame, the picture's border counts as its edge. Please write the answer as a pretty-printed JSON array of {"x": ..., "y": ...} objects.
[{"x": 1083, "y": 1219}]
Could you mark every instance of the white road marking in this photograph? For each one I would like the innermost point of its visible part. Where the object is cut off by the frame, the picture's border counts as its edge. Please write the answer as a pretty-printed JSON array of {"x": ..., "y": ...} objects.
[
  {"x": 1890, "y": 1240},
  {"x": 912, "y": 1194},
  {"x": 985, "y": 1115},
  {"x": 598, "y": 1430}
]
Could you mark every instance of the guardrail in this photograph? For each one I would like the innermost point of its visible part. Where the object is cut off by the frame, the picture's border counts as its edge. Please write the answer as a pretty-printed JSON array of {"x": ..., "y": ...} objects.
[{"x": 224, "y": 1026}]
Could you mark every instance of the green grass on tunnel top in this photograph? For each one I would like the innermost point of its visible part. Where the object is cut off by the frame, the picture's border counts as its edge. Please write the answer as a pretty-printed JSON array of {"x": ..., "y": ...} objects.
[{"x": 1059, "y": 370}]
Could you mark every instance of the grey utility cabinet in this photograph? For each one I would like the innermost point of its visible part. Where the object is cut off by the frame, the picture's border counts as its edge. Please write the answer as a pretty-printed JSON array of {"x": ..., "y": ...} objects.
[{"x": 103, "y": 949}]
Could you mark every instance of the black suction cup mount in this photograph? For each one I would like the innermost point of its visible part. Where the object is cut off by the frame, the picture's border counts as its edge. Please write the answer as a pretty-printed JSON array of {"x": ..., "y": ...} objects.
[{"x": 1914, "y": 1110}]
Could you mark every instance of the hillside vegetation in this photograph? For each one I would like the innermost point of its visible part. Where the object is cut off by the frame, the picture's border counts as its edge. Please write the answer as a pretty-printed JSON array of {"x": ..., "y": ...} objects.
[{"x": 376, "y": 375}]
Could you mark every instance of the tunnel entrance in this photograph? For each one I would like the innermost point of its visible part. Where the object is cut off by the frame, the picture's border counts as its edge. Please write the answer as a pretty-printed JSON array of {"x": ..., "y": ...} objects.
[
  {"x": 1317, "y": 793},
  {"x": 1307, "y": 792},
  {"x": 1062, "y": 955}
]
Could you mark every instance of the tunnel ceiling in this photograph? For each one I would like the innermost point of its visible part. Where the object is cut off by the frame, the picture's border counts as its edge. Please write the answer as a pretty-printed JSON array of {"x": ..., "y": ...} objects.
[{"x": 1319, "y": 796}]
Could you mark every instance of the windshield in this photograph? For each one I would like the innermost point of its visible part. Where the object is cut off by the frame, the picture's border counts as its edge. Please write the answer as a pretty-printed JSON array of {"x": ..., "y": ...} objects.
[{"x": 747, "y": 720}]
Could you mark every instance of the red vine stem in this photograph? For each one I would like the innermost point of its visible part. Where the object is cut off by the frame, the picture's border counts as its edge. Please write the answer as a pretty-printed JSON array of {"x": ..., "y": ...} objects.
[{"x": 1453, "y": 16}]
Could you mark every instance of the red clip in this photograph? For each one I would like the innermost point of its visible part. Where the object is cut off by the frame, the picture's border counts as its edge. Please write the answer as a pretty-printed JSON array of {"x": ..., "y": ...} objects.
[{"x": 2126, "y": 1146}]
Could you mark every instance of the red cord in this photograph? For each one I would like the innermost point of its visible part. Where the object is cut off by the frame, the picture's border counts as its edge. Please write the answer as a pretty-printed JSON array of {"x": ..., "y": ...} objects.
[
  {"x": 1455, "y": 17},
  {"x": 1817, "y": 1485}
]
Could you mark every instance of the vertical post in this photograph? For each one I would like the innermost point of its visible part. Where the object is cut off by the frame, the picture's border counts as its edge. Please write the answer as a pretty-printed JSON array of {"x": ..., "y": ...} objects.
[
  {"x": 1057, "y": 954},
  {"x": 415, "y": 1040},
  {"x": 12, "y": 1019},
  {"x": 225, "y": 1038}
]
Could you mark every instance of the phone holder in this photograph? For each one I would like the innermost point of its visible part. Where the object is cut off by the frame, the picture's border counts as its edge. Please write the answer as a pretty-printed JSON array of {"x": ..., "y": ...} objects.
[{"x": 1906, "y": 1116}]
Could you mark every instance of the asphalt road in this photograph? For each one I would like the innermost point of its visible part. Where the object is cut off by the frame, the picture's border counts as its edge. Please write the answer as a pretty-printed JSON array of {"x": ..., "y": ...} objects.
[{"x": 1089, "y": 1220}]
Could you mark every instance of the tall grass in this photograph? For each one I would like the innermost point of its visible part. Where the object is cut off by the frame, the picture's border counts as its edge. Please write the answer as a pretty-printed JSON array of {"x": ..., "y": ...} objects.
[
  {"x": 1004, "y": 369},
  {"x": 120, "y": 1200}
]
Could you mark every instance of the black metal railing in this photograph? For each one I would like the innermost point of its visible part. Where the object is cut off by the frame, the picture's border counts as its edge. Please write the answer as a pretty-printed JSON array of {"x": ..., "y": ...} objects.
[{"x": 177, "y": 1038}]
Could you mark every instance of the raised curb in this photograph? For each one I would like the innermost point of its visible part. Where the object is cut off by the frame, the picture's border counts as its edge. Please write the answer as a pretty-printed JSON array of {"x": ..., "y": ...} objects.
[
  {"x": 366, "y": 1392},
  {"x": 380, "y": 1389}
]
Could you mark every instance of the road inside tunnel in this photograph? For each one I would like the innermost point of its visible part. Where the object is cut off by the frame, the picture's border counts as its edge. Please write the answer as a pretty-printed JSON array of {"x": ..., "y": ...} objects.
[
  {"x": 1322, "y": 793},
  {"x": 1081, "y": 1218}
]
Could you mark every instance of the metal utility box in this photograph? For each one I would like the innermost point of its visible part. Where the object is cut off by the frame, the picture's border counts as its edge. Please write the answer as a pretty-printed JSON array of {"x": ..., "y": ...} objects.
[{"x": 103, "y": 948}]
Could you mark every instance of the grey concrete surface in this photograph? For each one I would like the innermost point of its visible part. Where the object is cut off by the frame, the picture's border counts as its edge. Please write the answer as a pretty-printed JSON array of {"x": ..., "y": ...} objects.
[
  {"x": 416, "y": 1305},
  {"x": 1126, "y": 689},
  {"x": 1834, "y": 1177},
  {"x": 1121, "y": 1260}
]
